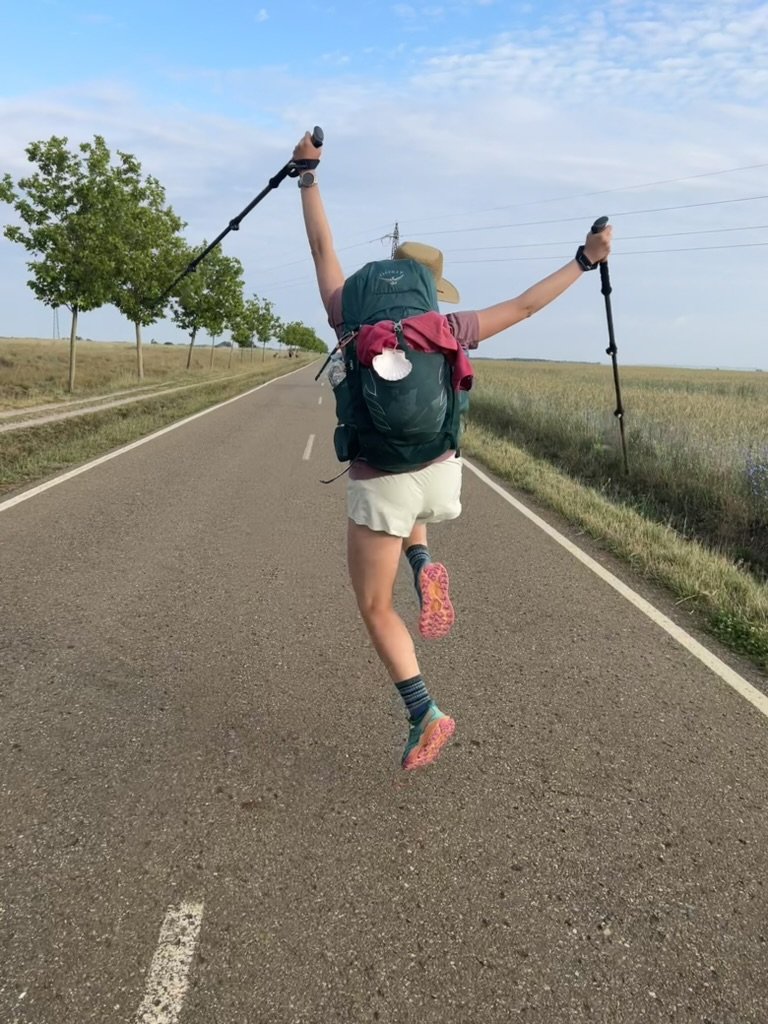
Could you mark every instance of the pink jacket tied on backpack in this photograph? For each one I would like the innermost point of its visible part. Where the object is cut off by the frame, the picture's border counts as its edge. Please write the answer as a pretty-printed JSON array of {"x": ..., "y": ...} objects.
[{"x": 428, "y": 332}]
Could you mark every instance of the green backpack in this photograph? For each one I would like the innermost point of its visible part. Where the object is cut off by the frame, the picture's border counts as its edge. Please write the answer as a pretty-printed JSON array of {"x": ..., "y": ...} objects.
[{"x": 395, "y": 426}]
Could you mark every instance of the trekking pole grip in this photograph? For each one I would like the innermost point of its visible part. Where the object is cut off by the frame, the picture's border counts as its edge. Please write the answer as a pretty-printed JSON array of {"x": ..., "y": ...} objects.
[
  {"x": 605, "y": 281},
  {"x": 295, "y": 167}
]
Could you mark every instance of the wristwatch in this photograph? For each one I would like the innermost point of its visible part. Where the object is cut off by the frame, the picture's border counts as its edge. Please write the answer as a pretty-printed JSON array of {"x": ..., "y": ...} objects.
[
  {"x": 307, "y": 179},
  {"x": 583, "y": 260}
]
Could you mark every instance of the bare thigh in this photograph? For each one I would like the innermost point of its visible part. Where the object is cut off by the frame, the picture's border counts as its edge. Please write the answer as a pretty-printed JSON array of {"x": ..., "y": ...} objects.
[{"x": 373, "y": 560}]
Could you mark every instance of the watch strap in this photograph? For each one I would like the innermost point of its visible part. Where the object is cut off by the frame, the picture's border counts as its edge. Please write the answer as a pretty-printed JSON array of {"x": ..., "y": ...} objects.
[{"x": 584, "y": 262}]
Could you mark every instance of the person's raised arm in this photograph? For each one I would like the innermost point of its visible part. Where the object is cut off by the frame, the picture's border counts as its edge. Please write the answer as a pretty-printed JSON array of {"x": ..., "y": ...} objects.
[
  {"x": 330, "y": 276},
  {"x": 505, "y": 314}
]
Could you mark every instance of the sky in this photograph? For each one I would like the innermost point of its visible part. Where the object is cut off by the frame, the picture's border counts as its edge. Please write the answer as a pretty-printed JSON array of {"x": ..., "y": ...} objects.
[{"x": 496, "y": 131}]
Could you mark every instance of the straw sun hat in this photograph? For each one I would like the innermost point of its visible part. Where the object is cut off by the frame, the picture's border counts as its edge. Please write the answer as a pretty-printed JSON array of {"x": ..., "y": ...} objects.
[{"x": 432, "y": 259}]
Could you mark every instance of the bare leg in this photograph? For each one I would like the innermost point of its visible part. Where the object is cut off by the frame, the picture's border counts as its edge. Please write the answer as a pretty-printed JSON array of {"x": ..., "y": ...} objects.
[
  {"x": 418, "y": 536},
  {"x": 373, "y": 559}
]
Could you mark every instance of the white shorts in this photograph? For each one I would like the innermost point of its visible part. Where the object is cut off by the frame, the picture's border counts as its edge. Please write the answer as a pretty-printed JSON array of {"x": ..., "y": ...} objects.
[{"x": 394, "y": 503}]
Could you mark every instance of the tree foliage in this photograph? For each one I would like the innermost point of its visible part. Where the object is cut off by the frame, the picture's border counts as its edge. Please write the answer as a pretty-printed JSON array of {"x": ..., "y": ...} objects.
[
  {"x": 150, "y": 247},
  {"x": 97, "y": 232},
  {"x": 257, "y": 320},
  {"x": 69, "y": 207},
  {"x": 295, "y": 335},
  {"x": 210, "y": 298}
]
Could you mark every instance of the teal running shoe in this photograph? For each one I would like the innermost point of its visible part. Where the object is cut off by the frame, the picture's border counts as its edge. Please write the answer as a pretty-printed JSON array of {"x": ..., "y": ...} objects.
[{"x": 427, "y": 737}]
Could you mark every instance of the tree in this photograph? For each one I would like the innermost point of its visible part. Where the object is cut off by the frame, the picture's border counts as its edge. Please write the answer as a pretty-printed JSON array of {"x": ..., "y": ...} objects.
[
  {"x": 257, "y": 320},
  {"x": 209, "y": 297},
  {"x": 243, "y": 327},
  {"x": 267, "y": 323},
  {"x": 296, "y": 335},
  {"x": 69, "y": 208},
  {"x": 150, "y": 247}
]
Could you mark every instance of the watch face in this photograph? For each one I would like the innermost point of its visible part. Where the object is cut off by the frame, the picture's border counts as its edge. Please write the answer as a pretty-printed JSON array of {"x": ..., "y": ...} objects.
[{"x": 307, "y": 178}]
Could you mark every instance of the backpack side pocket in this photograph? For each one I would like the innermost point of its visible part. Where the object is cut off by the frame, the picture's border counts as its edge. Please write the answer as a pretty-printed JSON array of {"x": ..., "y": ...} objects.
[
  {"x": 345, "y": 439},
  {"x": 345, "y": 443}
]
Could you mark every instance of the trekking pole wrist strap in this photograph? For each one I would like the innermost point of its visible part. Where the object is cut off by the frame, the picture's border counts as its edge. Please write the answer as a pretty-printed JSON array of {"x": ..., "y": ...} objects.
[{"x": 583, "y": 260}]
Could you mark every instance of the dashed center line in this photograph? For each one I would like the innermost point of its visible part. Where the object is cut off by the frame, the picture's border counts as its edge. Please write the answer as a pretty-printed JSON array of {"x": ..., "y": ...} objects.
[
  {"x": 169, "y": 973},
  {"x": 308, "y": 449}
]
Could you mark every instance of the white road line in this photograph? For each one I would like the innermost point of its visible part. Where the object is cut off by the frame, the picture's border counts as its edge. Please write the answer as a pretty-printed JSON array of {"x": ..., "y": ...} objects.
[
  {"x": 320, "y": 400},
  {"x": 33, "y": 491},
  {"x": 308, "y": 449},
  {"x": 169, "y": 973},
  {"x": 712, "y": 662}
]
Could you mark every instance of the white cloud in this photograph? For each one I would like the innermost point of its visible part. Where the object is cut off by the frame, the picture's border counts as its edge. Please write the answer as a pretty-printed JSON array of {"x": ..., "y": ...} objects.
[
  {"x": 662, "y": 56},
  {"x": 262, "y": 15}
]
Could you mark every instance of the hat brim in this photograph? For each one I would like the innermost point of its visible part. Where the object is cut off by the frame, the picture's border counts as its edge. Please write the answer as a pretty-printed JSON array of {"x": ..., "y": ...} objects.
[{"x": 447, "y": 292}]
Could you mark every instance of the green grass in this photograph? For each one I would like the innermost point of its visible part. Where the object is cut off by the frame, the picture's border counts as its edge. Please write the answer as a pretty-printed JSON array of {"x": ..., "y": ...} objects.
[
  {"x": 32, "y": 454},
  {"x": 34, "y": 371},
  {"x": 697, "y": 442},
  {"x": 688, "y": 516}
]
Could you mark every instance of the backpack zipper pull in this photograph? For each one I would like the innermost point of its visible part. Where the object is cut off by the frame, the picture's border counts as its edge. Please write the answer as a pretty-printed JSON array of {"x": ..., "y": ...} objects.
[{"x": 399, "y": 336}]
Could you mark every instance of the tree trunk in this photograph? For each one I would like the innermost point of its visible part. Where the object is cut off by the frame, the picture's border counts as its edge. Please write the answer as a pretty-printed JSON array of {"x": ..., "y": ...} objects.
[
  {"x": 213, "y": 347},
  {"x": 263, "y": 351},
  {"x": 191, "y": 345},
  {"x": 72, "y": 350},
  {"x": 139, "y": 352},
  {"x": 229, "y": 361}
]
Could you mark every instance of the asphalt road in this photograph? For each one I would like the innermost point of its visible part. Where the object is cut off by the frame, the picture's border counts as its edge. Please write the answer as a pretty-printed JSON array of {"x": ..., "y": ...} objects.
[{"x": 194, "y": 726}]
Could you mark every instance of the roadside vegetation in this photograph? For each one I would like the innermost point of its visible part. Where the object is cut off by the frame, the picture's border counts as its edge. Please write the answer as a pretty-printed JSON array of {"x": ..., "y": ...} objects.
[
  {"x": 33, "y": 371},
  {"x": 31, "y": 376},
  {"x": 692, "y": 514}
]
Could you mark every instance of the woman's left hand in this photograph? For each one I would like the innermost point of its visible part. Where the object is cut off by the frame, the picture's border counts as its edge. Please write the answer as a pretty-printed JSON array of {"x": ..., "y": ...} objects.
[{"x": 597, "y": 248}]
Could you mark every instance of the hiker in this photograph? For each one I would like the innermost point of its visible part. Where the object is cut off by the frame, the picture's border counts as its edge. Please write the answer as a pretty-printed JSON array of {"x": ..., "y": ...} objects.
[{"x": 389, "y": 510}]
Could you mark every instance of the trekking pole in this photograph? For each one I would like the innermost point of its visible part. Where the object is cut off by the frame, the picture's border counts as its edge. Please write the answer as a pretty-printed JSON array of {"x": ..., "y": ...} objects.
[
  {"x": 605, "y": 283},
  {"x": 291, "y": 170}
]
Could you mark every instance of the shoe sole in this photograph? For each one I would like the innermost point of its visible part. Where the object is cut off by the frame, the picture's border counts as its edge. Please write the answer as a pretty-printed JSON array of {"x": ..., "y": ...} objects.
[
  {"x": 436, "y": 735},
  {"x": 437, "y": 614}
]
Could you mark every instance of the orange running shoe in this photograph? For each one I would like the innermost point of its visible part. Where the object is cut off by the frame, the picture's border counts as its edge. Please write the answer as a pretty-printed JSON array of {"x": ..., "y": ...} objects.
[{"x": 437, "y": 614}]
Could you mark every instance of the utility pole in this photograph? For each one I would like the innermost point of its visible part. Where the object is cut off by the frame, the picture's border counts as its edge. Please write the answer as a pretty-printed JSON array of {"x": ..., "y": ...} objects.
[{"x": 395, "y": 236}]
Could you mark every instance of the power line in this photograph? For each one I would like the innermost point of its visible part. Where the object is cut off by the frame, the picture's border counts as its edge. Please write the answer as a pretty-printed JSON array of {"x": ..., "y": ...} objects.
[
  {"x": 564, "y": 259},
  {"x": 559, "y": 220},
  {"x": 624, "y": 238},
  {"x": 632, "y": 252},
  {"x": 562, "y": 220},
  {"x": 607, "y": 191},
  {"x": 557, "y": 199},
  {"x": 536, "y": 223},
  {"x": 624, "y": 213},
  {"x": 344, "y": 248}
]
